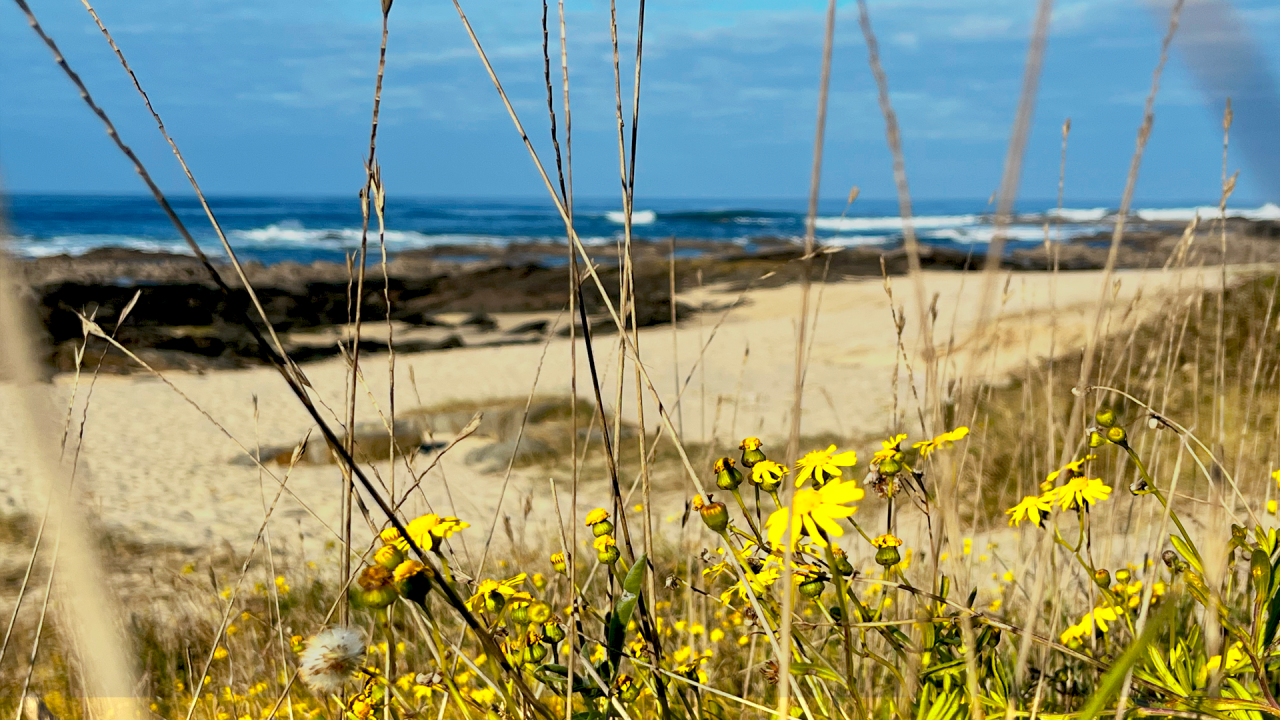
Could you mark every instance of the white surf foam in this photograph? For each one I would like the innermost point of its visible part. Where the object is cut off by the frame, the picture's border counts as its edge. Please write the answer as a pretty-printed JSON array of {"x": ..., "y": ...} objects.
[
  {"x": 893, "y": 223},
  {"x": 638, "y": 217}
]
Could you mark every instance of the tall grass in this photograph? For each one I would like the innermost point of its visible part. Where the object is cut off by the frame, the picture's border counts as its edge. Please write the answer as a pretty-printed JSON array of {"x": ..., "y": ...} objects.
[{"x": 1141, "y": 575}]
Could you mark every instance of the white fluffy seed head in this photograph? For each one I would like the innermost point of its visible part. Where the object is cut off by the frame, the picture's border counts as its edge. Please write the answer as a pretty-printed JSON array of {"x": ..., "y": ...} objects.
[{"x": 331, "y": 658}]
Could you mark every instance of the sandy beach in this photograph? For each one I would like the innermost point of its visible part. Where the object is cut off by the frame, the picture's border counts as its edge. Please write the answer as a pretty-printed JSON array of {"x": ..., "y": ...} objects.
[{"x": 158, "y": 472}]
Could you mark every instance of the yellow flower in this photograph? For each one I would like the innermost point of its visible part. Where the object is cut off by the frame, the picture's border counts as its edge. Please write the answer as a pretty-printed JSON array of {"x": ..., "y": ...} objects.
[
  {"x": 751, "y": 443},
  {"x": 427, "y": 532},
  {"x": 596, "y": 516},
  {"x": 407, "y": 569},
  {"x": 1032, "y": 508},
  {"x": 815, "y": 510},
  {"x": 888, "y": 448},
  {"x": 220, "y": 653},
  {"x": 1084, "y": 629},
  {"x": 945, "y": 440},
  {"x": 1079, "y": 492},
  {"x": 506, "y": 588},
  {"x": 603, "y": 542},
  {"x": 768, "y": 472},
  {"x": 821, "y": 465},
  {"x": 1071, "y": 469},
  {"x": 1271, "y": 506},
  {"x": 886, "y": 540},
  {"x": 1275, "y": 475}
]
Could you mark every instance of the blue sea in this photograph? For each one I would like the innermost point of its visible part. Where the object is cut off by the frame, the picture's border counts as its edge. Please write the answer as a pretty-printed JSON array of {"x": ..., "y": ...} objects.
[{"x": 275, "y": 229}]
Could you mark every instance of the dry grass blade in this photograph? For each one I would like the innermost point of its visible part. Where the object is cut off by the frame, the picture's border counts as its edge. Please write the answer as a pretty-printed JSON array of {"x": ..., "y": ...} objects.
[{"x": 89, "y": 613}]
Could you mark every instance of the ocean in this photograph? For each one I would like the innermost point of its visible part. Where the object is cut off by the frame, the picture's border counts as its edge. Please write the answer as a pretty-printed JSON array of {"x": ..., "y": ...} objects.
[{"x": 276, "y": 229}]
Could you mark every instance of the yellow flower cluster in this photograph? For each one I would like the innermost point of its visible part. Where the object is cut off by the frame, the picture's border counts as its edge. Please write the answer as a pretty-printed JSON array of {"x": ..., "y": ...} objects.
[{"x": 1077, "y": 493}]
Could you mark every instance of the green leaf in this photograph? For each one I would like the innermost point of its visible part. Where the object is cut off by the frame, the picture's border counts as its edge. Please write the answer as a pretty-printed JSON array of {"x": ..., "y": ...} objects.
[
  {"x": 631, "y": 583},
  {"x": 800, "y": 669},
  {"x": 1188, "y": 552}
]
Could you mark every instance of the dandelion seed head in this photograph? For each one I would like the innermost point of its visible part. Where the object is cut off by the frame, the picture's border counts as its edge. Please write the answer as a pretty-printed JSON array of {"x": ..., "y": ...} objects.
[{"x": 330, "y": 659}]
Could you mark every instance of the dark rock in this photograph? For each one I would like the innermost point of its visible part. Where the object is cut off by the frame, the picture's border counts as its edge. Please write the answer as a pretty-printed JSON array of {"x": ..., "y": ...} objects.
[
  {"x": 483, "y": 322},
  {"x": 533, "y": 326}
]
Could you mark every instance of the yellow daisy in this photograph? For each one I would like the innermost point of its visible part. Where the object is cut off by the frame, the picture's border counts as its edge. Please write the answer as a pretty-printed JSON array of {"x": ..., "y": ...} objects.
[
  {"x": 1032, "y": 508},
  {"x": 596, "y": 516},
  {"x": 945, "y": 440},
  {"x": 822, "y": 465},
  {"x": 427, "y": 532},
  {"x": 768, "y": 472},
  {"x": 888, "y": 448},
  {"x": 1079, "y": 492},
  {"x": 1071, "y": 469},
  {"x": 815, "y": 511},
  {"x": 508, "y": 589}
]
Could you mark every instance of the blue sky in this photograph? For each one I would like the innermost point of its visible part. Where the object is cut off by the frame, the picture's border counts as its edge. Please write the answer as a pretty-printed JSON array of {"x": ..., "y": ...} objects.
[{"x": 274, "y": 98}]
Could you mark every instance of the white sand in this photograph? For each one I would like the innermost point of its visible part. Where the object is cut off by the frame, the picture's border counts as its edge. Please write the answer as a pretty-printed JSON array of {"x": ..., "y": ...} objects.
[{"x": 156, "y": 470}]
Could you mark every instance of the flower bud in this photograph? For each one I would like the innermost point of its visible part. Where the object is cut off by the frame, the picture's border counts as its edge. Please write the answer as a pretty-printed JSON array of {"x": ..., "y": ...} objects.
[
  {"x": 519, "y": 613},
  {"x": 602, "y": 528},
  {"x": 413, "y": 581},
  {"x": 553, "y": 631},
  {"x": 1102, "y": 578},
  {"x": 812, "y": 587},
  {"x": 1096, "y": 439},
  {"x": 751, "y": 452},
  {"x": 534, "y": 653},
  {"x": 890, "y": 466},
  {"x": 836, "y": 613},
  {"x": 1106, "y": 417},
  {"x": 389, "y": 557},
  {"x": 1171, "y": 560},
  {"x": 1117, "y": 435},
  {"x": 714, "y": 514},
  {"x": 375, "y": 588},
  {"x": 888, "y": 556},
  {"x": 558, "y": 563},
  {"x": 539, "y": 612},
  {"x": 606, "y": 549},
  {"x": 628, "y": 688},
  {"x": 494, "y": 601},
  {"x": 728, "y": 477},
  {"x": 842, "y": 564}
]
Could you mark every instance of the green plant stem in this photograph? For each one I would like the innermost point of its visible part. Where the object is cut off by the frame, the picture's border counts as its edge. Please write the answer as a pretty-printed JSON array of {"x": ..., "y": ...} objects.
[
  {"x": 838, "y": 579},
  {"x": 750, "y": 522}
]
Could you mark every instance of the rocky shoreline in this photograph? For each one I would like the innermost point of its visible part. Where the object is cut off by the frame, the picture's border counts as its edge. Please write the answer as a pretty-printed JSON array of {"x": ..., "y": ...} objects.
[{"x": 448, "y": 297}]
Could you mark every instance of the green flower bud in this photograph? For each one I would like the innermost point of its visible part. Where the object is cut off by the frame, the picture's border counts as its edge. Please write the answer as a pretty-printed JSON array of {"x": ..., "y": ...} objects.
[
  {"x": 1102, "y": 578},
  {"x": 727, "y": 476},
  {"x": 558, "y": 563},
  {"x": 519, "y": 613},
  {"x": 888, "y": 556},
  {"x": 628, "y": 688},
  {"x": 604, "y": 527},
  {"x": 608, "y": 555},
  {"x": 1106, "y": 417},
  {"x": 890, "y": 466},
  {"x": 714, "y": 514},
  {"x": 842, "y": 565},
  {"x": 494, "y": 601},
  {"x": 1096, "y": 439},
  {"x": 413, "y": 581},
  {"x": 1117, "y": 435},
  {"x": 553, "y": 631},
  {"x": 812, "y": 587},
  {"x": 534, "y": 653},
  {"x": 751, "y": 452},
  {"x": 539, "y": 612},
  {"x": 836, "y": 613},
  {"x": 374, "y": 589},
  {"x": 389, "y": 557}
]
